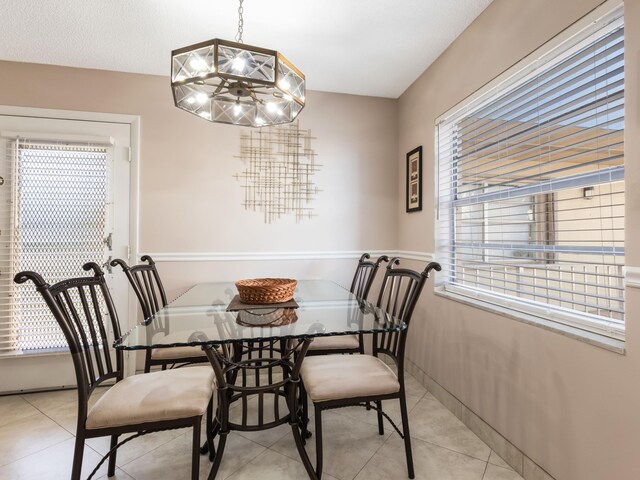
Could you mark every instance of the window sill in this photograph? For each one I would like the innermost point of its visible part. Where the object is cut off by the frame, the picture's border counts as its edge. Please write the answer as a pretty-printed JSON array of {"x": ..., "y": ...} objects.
[{"x": 597, "y": 340}]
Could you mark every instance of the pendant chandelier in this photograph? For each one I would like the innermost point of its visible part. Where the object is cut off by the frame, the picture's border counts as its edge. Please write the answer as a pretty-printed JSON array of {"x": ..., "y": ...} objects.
[{"x": 230, "y": 82}]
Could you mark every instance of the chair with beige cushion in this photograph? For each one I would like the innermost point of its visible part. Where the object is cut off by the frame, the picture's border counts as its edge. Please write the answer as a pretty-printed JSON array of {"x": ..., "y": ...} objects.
[
  {"x": 147, "y": 285},
  {"x": 360, "y": 286},
  {"x": 334, "y": 381},
  {"x": 139, "y": 404}
]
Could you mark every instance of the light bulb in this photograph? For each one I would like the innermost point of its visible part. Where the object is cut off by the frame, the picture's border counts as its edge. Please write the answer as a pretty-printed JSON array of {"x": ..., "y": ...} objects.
[
  {"x": 272, "y": 107},
  {"x": 201, "y": 97},
  {"x": 198, "y": 64},
  {"x": 237, "y": 109},
  {"x": 190, "y": 99},
  {"x": 280, "y": 112},
  {"x": 239, "y": 64},
  {"x": 259, "y": 121},
  {"x": 284, "y": 84},
  {"x": 289, "y": 98}
]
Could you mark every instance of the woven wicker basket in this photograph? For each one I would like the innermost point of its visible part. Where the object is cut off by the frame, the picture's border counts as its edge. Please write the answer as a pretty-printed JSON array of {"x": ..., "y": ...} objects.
[
  {"x": 261, "y": 291},
  {"x": 272, "y": 318}
]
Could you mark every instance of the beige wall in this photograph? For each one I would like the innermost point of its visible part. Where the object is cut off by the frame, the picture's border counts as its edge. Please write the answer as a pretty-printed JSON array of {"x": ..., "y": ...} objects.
[
  {"x": 571, "y": 407},
  {"x": 189, "y": 200}
]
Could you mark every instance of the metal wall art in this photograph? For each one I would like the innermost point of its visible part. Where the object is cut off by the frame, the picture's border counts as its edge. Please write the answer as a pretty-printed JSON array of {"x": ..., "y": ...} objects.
[{"x": 280, "y": 166}]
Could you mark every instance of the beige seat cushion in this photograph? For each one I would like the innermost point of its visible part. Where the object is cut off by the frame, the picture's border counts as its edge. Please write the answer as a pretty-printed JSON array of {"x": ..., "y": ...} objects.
[
  {"x": 152, "y": 397},
  {"x": 176, "y": 353},
  {"x": 338, "y": 342},
  {"x": 333, "y": 377}
]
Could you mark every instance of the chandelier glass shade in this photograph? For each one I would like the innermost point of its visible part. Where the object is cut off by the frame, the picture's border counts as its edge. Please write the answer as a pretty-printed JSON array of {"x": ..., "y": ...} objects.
[{"x": 230, "y": 82}]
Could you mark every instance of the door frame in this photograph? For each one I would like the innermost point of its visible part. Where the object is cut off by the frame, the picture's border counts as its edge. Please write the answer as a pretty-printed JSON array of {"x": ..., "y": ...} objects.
[{"x": 134, "y": 122}]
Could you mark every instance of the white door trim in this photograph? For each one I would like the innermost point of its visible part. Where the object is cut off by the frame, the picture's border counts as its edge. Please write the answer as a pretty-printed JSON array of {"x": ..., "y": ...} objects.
[{"x": 134, "y": 122}]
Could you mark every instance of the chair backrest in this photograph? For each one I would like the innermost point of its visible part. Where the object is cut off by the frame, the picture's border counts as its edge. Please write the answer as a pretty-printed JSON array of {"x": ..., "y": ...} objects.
[
  {"x": 399, "y": 293},
  {"x": 365, "y": 274},
  {"x": 146, "y": 283},
  {"x": 78, "y": 305}
]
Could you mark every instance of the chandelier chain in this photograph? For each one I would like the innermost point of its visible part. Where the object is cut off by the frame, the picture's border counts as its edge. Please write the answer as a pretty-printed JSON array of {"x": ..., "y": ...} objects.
[{"x": 240, "y": 22}]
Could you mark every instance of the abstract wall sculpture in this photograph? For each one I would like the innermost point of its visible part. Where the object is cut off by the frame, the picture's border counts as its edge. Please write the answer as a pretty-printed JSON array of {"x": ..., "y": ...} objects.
[{"x": 278, "y": 177}]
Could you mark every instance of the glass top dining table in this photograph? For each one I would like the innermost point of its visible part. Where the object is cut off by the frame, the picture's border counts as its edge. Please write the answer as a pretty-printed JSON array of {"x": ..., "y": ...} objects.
[
  {"x": 231, "y": 341},
  {"x": 199, "y": 317}
]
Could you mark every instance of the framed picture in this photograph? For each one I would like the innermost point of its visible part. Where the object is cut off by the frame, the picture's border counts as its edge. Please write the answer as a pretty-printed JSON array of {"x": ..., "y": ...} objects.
[{"x": 414, "y": 180}]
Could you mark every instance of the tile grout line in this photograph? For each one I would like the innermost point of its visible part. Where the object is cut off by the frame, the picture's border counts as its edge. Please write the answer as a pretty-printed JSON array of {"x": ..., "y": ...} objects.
[
  {"x": 486, "y": 466},
  {"x": 242, "y": 466},
  {"x": 33, "y": 453},
  {"x": 44, "y": 448}
]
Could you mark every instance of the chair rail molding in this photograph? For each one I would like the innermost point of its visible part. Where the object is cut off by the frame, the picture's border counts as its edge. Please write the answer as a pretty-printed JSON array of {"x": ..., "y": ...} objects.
[{"x": 268, "y": 256}]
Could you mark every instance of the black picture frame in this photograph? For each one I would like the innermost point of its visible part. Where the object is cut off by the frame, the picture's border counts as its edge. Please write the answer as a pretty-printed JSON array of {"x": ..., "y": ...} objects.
[{"x": 414, "y": 180}]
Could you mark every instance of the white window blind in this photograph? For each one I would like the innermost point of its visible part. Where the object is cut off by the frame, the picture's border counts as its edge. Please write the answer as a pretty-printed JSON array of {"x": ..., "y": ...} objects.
[
  {"x": 531, "y": 186},
  {"x": 54, "y": 218}
]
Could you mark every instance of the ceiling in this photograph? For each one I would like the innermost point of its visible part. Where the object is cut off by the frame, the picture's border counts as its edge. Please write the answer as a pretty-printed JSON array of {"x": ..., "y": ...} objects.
[{"x": 363, "y": 47}]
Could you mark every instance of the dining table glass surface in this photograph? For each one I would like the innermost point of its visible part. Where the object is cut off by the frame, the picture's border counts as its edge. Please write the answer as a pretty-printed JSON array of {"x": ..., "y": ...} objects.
[{"x": 200, "y": 317}]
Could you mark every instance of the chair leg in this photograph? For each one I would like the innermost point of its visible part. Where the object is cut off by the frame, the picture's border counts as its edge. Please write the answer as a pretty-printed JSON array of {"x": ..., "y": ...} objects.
[
  {"x": 77, "y": 458},
  {"x": 111, "y": 471},
  {"x": 147, "y": 362},
  {"x": 380, "y": 418},
  {"x": 195, "y": 450},
  {"x": 407, "y": 435},
  {"x": 318, "y": 432},
  {"x": 218, "y": 458},
  {"x": 304, "y": 421},
  {"x": 222, "y": 430},
  {"x": 212, "y": 450}
]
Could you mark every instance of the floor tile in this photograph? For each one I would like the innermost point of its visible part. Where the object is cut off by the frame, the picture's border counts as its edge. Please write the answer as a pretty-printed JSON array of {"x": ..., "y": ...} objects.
[
  {"x": 430, "y": 463},
  {"x": 495, "y": 459},
  {"x": 172, "y": 461},
  {"x": 21, "y": 438},
  {"x": 347, "y": 445},
  {"x": 44, "y": 401},
  {"x": 264, "y": 437},
  {"x": 120, "y": 475},
  {"x": 273, "y": 466},
  {"x": 54, "y": 462},
  {"x": 14, "y": 407},
  {"x": 508, "y": 452},
  {"x": 432, "y": 422},
  {"x": 62, "y": 406},
  {"x": 37, "y": 429},
  {"x": 494, "y": 472},
  {"x": 414, "y": 391},
  {"x": 136, "y": 447}
]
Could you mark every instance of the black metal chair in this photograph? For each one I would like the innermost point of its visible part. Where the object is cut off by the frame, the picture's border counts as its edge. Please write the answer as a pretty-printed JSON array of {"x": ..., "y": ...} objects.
[
  {"x": 335, "y": 381},
  {"x": 360, "y": 286},
  {"x": 147, "y": 285},
  {"x": 139, "y": 404}
]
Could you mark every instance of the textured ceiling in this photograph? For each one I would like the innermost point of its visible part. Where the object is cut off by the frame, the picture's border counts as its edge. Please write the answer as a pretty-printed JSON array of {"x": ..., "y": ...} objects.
[{"x": 364, "y": 47}]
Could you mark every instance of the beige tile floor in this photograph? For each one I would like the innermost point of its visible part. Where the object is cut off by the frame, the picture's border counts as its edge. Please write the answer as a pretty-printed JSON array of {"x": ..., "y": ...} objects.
[{"x": 36, "y": 442}]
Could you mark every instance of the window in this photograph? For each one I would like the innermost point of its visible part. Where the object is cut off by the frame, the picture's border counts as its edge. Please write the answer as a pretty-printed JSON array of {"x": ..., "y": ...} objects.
[
  {"x": 57, "y": 220},
  {"x": 531, "y": 184}
]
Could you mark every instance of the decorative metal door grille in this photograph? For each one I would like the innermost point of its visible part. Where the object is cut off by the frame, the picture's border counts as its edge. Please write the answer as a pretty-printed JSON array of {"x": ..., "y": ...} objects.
[{"x": 58, "y": 221}]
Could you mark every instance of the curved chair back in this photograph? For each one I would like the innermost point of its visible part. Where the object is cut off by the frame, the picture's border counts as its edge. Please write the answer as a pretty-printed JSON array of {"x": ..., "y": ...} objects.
[
  {"x": 146, "y": 283},
  {"x": 365, "y": 274},
  {"x": 78, "y": 305},
  {"x": 400, "y": 291}
]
